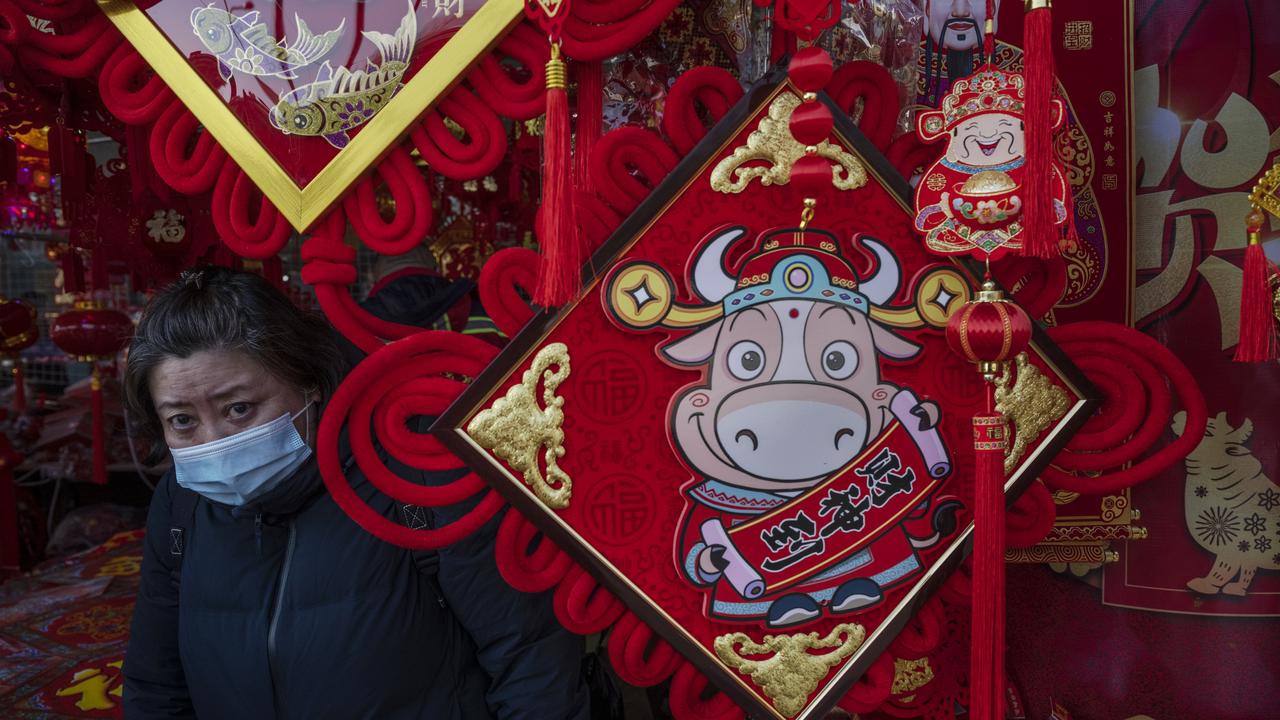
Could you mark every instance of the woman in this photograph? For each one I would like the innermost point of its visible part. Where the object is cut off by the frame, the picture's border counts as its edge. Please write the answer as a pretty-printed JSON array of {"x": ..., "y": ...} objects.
[{"x": 259, "y": 597}]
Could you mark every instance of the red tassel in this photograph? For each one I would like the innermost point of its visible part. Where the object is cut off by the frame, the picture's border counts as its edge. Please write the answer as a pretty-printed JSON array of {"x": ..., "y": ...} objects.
[
  {"x": 557, "y": 228},
  {"x": 1258, "y": 341},
  {"x": 986, "y": 652},
  {"x": 590, "y": 119},
  {"x": 19, "y": 387},
  {"x": 96, "y": 417},
  {"x": 1039, "y": 235}
]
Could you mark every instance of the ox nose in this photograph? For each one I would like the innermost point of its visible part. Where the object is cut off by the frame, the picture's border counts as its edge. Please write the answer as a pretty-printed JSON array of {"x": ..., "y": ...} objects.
[{"x": 791, "y": 431}]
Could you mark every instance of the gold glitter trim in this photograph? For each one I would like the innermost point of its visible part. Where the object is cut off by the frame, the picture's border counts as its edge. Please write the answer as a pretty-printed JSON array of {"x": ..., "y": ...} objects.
[
  {"x": 910, "y": 675},
  {"x": 515, "y": 428},
  {"x": 771, "y": 152},
  {"x": 791, "y": 673},
  {"x": 1031, "y": 401}
]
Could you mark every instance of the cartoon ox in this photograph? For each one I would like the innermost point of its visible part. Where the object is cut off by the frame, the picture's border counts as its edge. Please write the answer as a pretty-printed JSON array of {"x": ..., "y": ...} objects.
[{"x": 792, "y": 394}]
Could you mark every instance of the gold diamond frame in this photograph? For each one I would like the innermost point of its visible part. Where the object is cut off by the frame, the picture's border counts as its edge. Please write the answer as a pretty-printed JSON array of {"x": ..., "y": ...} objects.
[{"x": 302, "y": 206}]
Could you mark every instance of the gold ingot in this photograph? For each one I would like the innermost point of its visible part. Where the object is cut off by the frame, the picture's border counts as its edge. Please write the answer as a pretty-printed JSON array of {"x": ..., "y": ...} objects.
[{"x": 988, "y": 182}]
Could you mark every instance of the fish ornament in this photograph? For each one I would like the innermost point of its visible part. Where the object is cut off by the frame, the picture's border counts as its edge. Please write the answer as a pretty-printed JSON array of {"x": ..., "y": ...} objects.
[
  {"x": 338, "y": 101},
  {"x": 242, "y": 44}
]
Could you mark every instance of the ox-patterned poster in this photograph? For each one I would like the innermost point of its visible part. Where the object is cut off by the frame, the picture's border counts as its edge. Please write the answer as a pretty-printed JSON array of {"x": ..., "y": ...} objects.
[{"x": 749, "y": 426}]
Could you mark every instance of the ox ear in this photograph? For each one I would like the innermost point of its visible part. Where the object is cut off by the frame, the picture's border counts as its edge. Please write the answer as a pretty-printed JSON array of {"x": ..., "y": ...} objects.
[
  {"x": 891, "y": 344},
  {"x": 1179, "y": 423},
  {"x": 1242, "y": 433},
  {"x": 694, "y": 349}
]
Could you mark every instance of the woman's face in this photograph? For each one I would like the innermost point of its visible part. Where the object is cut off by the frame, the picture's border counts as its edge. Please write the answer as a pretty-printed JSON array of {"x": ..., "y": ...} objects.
[{"x": 216, "y": 393}]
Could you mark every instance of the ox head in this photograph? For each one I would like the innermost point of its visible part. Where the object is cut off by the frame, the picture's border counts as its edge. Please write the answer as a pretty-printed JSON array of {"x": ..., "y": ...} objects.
[{"x": 793, "y": 389}]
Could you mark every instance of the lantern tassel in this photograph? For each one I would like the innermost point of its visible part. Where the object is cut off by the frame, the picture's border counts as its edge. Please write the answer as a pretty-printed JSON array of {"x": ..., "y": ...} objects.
[
  {"x": 1039, "y": 219},
  {"x": 1258, "y": 342},
  {"x": 561, "y": 251},
  {"x": 986, "y": 652},
  {"x": 96, "y": 417}
]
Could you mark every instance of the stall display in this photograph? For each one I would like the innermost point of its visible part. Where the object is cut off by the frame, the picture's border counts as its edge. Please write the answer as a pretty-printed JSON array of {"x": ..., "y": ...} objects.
[{"x": 835, "y": 329}]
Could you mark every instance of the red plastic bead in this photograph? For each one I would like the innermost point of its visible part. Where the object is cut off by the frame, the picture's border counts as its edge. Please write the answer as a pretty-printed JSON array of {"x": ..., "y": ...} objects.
[
  {"x": 811, "y": 69},
  {"x": 811, "y": 123}
]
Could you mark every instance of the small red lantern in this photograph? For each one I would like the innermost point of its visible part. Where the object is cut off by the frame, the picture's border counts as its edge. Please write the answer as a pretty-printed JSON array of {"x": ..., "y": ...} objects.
[
  {"x": 989, "y": 330},
  {"x": 92, "y": 331},
  {"x": 18, "y": 331},
  {"x": 18, "y": 328}
]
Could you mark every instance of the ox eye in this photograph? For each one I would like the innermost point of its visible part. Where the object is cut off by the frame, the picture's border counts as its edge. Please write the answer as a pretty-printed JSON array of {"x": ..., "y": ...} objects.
[
  {"x": 839, "y": 360},
  {"x": 746, "y": 360}
]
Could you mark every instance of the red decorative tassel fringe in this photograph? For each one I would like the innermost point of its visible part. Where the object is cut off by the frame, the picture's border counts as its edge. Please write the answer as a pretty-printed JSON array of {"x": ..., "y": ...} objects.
[
  {"x": 558, "y": 231},
  {"x": 1040, "y": 237},
  {"x": 986, "y": 652},
  {"x": 1258, "y": 342},
  {"x": 99, "y": 432}
]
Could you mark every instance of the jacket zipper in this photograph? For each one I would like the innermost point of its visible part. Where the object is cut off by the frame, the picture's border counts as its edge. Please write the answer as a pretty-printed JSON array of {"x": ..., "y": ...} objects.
[{"x": 275, "y": 616}]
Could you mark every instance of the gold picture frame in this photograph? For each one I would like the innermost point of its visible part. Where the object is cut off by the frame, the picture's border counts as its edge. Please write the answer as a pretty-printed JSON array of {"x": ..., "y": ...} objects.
[{"x": 302, "y": 206}]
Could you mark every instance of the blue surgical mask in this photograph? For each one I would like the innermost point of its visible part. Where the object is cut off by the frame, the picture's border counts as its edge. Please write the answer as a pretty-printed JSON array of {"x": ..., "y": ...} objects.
[{"x": 238, "y": 468}]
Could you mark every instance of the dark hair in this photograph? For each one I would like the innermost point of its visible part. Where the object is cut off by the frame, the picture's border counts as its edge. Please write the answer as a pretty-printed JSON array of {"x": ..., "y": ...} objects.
[{"x": 217, "y": 308}]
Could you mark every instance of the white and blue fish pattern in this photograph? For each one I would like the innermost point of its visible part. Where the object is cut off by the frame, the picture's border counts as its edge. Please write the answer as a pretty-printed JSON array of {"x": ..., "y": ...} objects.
[{"x": 242, "y": 44}]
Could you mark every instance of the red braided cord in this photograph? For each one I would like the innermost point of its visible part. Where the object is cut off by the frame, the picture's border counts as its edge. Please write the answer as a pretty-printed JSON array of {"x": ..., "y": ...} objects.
[
  {"x": 638, "y": 656},
  {"x": 525, "y": 566},
  {"x": 871, "y": 83},
  {"x": 412, "y": 215},
  {"x": 130, "y": 90},
  {"x": 1136, "y": 347},
  {"x": 247, "y": 221},
  {"x": 192, "y": 174},
  {"x": 477, "y": 154},
  {"x": 600, "y": 29},
  {"x": 910, "y": 155},
  {"x": 582, "y": 606},
  {"x": 621, "y": 153},
  {"x": 425, "y": 354},
  {"x": 922, "y": 634},
  {"x": 506, "y": 271},
  {"x": 712, "y": 89},
  {"x": 495, "y": 85},
  {"x": 687, "y": 687}
]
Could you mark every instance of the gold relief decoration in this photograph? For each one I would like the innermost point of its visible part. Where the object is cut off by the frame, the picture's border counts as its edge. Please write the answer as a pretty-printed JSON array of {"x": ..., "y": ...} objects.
[
  {"x": 791, "y": 672},
  {"x": 771, "y": 151},
  {"x": 1066, "y": 554},
  {"x": 1074, "y": 151},
  {"x": 910, "y": 675},
  {"x": 515, "y": 428},
  {"x": 1031, "y": 401},
  {"x": 1064, "y": 497},
  {"x": 1266, "y": 194},
  {"x": 1113, "y": 507}
]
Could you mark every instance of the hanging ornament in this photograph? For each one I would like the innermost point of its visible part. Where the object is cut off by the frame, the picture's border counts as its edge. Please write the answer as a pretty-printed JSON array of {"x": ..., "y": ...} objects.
[
  {"x": 93, "y": 333},
  {"x": 18, "y": 331},
  {"x": 988, "y": 331},
  {"x": 560, "y": 276},
  {"x": 974, "y": 199},
  {"x": 1044, "y": 117},
  {"x": 1259, "y": 293}
]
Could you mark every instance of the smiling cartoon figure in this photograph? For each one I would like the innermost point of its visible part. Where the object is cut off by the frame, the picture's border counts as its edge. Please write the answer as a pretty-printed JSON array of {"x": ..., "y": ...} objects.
[{"x": 971, "y": 197}]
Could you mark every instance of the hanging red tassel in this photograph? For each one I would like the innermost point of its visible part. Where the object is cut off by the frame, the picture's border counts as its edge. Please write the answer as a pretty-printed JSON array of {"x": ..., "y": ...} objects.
[
  {"x": 988, "y": 331},
  {"x": 1040, "y": 236},
  {"x": 557, "y": 228},
  {"x": 96, "y": 417},
  {"x": 590, "y": 119},
  {"x": 986, "y": 653},
  {"x": 19, "y": 387},
  {"x": 1258, "y": 342}
]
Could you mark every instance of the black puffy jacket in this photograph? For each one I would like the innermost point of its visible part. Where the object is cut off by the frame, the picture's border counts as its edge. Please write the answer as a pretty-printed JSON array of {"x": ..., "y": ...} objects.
[{"x": 287, "y": 609}]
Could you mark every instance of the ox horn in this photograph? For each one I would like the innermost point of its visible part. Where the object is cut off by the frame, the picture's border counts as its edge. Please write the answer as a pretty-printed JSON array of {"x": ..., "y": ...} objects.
[
  {"x": 710, "y": 280},
  {"x": 881, "y": 287}
]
